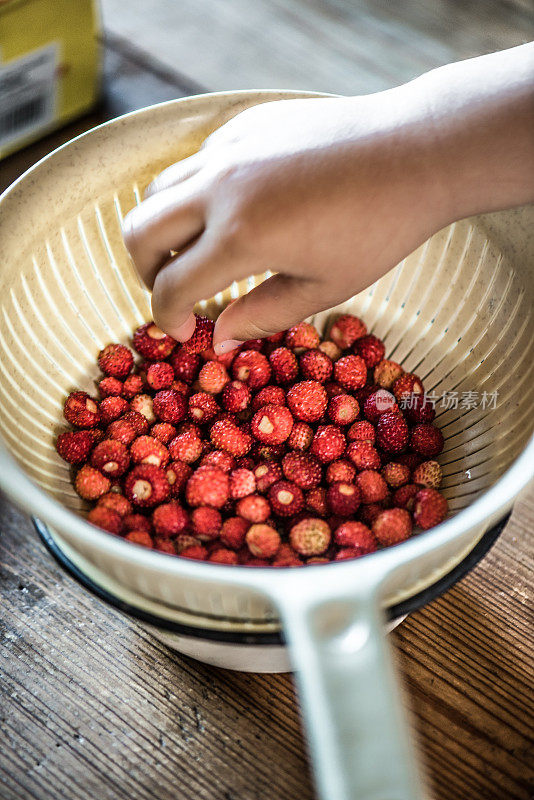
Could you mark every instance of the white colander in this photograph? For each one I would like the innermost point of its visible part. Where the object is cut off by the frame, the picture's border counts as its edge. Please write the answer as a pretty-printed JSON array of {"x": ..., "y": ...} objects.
[{"x": 457, "y": 312}]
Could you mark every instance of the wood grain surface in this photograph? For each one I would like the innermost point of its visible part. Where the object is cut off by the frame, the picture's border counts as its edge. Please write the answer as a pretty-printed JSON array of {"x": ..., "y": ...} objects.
[{"x": 90, "y": 704}]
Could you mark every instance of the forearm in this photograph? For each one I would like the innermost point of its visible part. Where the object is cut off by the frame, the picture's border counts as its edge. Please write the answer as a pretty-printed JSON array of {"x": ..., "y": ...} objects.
[{"x": 482, "y": 126}]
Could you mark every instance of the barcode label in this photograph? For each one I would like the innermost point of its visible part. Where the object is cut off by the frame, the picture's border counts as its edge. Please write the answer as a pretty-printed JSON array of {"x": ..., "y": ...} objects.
[{"x": 27, "y": 94}]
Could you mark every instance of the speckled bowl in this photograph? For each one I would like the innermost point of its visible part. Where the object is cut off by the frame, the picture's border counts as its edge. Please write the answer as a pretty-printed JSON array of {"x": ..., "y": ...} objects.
[{"x": 458, "y": 312}]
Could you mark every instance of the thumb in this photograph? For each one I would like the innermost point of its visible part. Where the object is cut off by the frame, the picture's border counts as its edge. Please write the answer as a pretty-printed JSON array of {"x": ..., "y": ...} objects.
[{"x": 273, "y": 306}]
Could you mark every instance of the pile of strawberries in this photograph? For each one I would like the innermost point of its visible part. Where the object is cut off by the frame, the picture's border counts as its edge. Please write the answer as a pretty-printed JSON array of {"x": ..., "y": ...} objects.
[{"x": 289, "y": 450}]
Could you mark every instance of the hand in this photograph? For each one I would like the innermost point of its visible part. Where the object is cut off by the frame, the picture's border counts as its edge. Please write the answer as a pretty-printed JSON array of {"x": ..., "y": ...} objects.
[{"x": 328, "y": 193}]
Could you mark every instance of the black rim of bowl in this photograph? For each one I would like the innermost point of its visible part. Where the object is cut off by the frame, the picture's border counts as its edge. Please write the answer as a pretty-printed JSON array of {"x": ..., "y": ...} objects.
[{"x": 407, "y": 606}]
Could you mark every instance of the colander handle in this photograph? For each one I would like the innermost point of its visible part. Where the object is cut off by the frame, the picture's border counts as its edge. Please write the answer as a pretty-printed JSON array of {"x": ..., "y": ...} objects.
[{"x": 351, "y": 699}]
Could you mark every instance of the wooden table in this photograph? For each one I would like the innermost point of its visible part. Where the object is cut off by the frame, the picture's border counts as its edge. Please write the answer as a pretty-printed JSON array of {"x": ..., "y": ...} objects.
[{"x": 90, "y": 704}]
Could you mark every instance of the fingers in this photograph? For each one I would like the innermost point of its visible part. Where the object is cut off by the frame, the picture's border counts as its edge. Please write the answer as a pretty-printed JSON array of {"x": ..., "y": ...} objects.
[
  {"x": 205, "y": 269},
  {"x": 176, "y": 173},
  {"x": 167, "y": 221},
  {"x": 273, "y": 306}
]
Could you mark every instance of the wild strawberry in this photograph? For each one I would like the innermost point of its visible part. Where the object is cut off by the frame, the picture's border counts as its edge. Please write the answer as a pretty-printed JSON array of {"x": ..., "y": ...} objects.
[
  {"x": 341, "y": 470},
  {"x": 302, "y": 336},
  {"x": 355, "y": 535},
  {"x": 419, "y": 409},
  {"x": 203, "y": 407},
  {"x": 405, "y": 495},
  {"x": 143, "y": 404},
  {"x": 363, "y": 455},
  {"x": 110, "y": 457},
  {"x": 111, "y": 408},
  {"x": 370, "y": 511},
  {"x": 213, "y": 377},
  {"x": 332, "y": 389},
  {"x": 372, "y": 486},
  {"x": 254, "y": 508},
  {"x": 286, "y": 498},
  {"x": 362, "y": 431},
  {"x": 377, "y": 404},
  {"x": 122, "y": 431},
  {"x": 426, "y": 440},
  {"x": 252, "y": 368},
  {"x": 159, "y": 375},
  {"x": 269, "y": 396},
  {"x": 105, "y": 518},
  {"x": 186, "y": 447},
  {"x": 242, "y": 483},
  {"x": 169, "y": 406},
  {"x": 140, "y": 537},
  {"x": 266, "y": 474},
  {"x": 110, "y": 387},
  {"x": 392, "y": 526},
  {"x": 223, "y": 556},
  {"x": 406, "y": 385},
  {"x": 208, "y": 486},
  {"x": 206, "y": 523},
  {"x": 115, "y": 360},
  {"x": 186, "y": 365},
  {"x": 178, "y": 473},
  {"x": 233, "y": 532},
  {"x": 346, "y": 329},
  {"x": 146, "y": 485},
  {"x": 115, "y": 502},
  {"x": 303, "y": 470},
  {"x": 286, "y": 557},
  {"x": 410, "y": 460},
  {"x": 371, "y": 349},
  {"x": 272, "y": 424},
  {"x": 392, "y": 432},
  {"x": 262, "y": 541},
  {"x": 148, "y": 450},
  {"x": 301, "y": 436},
  {"x": 219, "y": 458},
  {"x": 163, "y": 432},
  {"x": 132, "y": 386},
  {"x": 428, "y": 474},
  {"x": 170, "y": 519},
  {"x": 137, "y": 420},
  {"x": 196, "y": 552},
  {"x": 310, "y": 537},
  {"x": 328, "y": 443},
  {"x": 74, "y": 446},
  {"x": 202, "y": 337},
  {"x": 343, "y": 498},
  {"x": 136, "y": 522},
  {"x": 226, "y": 435},
  {"x": 284, "y": 365},
  {"x": 307, "y": 400},
  {"x": 276, "y": 338},
  {"x": 236, "y": 396},
  {"x": 97, "y": 434},
  {"x": 364, "y": 392},
  {"x": 395, "y": 474},
  {"x": 330, "y": 349},
  {"x": 315, "y": 366},
  {"x": 152, "y": 343},
  {"x": 81, "y": 410},
  {"x": 164, "y": 545},
  {"x": 430, "y": 508},
  {"x": 316, "y": 501},
  {"x": 343, "y": 409},
  {"x": 386, "y": 373},
  {"x": 90, "y": 483},
  {"x": 350, "y": 372},
  {"x": 223, "y": 358}
]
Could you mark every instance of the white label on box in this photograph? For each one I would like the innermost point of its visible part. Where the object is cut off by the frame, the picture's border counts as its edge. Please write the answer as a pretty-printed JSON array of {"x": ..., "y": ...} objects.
[{"x": 27, "y": 94}]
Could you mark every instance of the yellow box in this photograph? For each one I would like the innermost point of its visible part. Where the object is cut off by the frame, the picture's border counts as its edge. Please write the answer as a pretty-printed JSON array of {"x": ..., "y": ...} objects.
[{"x": 49, "y": 66}]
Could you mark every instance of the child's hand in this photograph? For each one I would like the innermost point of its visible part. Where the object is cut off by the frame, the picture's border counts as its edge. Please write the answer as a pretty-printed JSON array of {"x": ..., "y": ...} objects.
[{"x": 328, "y": 193}]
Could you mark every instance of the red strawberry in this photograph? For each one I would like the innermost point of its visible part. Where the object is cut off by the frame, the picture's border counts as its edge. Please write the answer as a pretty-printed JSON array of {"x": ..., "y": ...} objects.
[
  {"x": 146, "y": 485},
  {"x": 392, "y": 526},
  {"x": 372, "y": 486},
  {"x": 315, "y": 366},
  {"x": 186, "y": 365},
  {"x": 302, "y": 336},
  {"x": 355, "y": 535},
  {"x": 341, "y": 470},
  {"x": 363, "y": 455},
  {"x": 132, "y": 386},
  {"x": 110, "y": 387},
  {"x": 202, "y": 336},
  {"x": 343, "y": 498},
  {"x": 74, "y": 446},
  {"x": 266, "y": 474},
  {"x": 395, "y": 474},
  {"x": 206, "y": 523},
  {"x": 310, "y": 537},
  {"x": 236, "y": 396},
  {"x": 226, "y": 435},
  {"x": 406, "y": 385},
  {"x": 254, "y": 508},
  {"x": 284, "y": 365},
  {"x": 303, "y": 470},
  {"x": 269, "y": 396},
  {"x": 233, "y": 532},
  {"x": 202, "y": 407},
  {"x": 346, "y": 329},
  {"x": 170, "y": 519},
  {"x": 392, "y": 432},
  {"x": 371, "y": 349},
  {"x": 343, "y": 409},
  {"x": 112, "y": 408},
  {"x": 428, "y": 474},
  {"x": 152, "y": 343},
  {"x": 419, "y": 409},
  {"x": 178, "y": 473},
  {"x": 163, "y": 431},
  {"x": 301, "y": 436},
  {"x": 105, "y": 518},
  {"x": 251, "y": 368},
  {"x": 213, "y": 377},
  {"x": 186, "y": 447},
  {"x": 160, "y": 375},
  {"x": 148, "y": 450},
  {"x": 262, "y": 541},
  {"x": 169, "y": 406},
  {"x": 316, "y": 501},
  {"x": 137, "y": 420},
  {"x": 350, "y": 372},
  {"x": 242, "y": 483},
  {"x": 328, "y": 443},
  {"x": 81, "y": 410},
  {"x": 272, "y": 424},
  {"x": 115, "y": 502},
  {"x": 426, "y": 440},
  {"x": 386, "y": 373},
  {"x": 208, "y": 486},
  {"x": 430, "y": 508},
  {"x": 405, "y": 495},
  {"x": 223, "y": 556},
  {"x": 362, "y": 431},
  {"x": 307, "y": 400},
  {"x": 111, "y": 458},
  {"x": 286, "y": 498},
  {"x": 115, "y": 360},
  {"x": 378, "y": 403},
  {"x": 144, "y": 405},
  {"x": 219, "y": 458}
]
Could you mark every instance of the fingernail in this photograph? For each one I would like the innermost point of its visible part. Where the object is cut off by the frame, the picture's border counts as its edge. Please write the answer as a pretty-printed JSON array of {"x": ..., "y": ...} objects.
[
  {"x": 185, "y": 331},
  {"x": 227, "y": 346}
]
